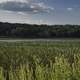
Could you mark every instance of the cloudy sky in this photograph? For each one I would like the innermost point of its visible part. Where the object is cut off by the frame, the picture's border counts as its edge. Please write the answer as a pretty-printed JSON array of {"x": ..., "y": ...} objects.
[{"x": 40, "y": 11}]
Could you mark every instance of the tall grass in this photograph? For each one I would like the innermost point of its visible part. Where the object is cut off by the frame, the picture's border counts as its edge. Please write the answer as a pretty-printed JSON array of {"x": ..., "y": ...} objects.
[{"x": 40, "y": 60}]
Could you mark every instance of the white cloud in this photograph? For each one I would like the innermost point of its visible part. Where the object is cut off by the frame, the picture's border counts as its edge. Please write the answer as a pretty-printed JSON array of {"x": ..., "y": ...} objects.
[
  {"x": 41, "y": 6},
  {"x": 69, "y": 9},
  {"x": 21, "y": 13},
  {"x": 15, "y": 0}
]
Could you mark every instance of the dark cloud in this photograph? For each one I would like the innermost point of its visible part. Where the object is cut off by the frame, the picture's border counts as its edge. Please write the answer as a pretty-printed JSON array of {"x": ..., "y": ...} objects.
[{"x": 24, "y": 7}]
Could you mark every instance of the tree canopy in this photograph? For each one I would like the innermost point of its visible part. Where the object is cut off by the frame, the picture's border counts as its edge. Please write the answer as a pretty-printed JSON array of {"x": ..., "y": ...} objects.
[{"x": 16, "y": 30}]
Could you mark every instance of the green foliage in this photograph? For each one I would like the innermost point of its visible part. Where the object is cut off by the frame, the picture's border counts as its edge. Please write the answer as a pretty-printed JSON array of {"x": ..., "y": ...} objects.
[
  {"x": 8, "y": 30},
  {"x": 40, "y": 60}
]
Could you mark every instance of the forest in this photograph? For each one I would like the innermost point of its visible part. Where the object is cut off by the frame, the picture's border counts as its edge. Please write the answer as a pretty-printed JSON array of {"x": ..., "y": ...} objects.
[{"x": 16, "y": 30}]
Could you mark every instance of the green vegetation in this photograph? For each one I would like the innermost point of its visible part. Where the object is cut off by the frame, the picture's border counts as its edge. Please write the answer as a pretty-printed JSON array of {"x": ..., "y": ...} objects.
[
  {"x": 8, "y": 30},
  {"x": 58, "y": 60}
]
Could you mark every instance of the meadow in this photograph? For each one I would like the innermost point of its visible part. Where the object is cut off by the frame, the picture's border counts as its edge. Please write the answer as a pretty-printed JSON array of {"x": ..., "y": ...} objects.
[{"x": 42, "y": 60}]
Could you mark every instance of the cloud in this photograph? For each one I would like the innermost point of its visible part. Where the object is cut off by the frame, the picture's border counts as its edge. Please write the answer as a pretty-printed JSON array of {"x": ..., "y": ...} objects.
[
  {"x": 25, "y": 6},
  {"x": 69, "y": 9},
  {"x": 15, "y": 0}
]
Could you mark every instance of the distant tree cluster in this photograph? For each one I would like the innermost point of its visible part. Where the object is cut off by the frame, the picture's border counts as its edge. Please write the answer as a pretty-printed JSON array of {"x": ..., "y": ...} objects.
[{"x": 8, "y": 30}]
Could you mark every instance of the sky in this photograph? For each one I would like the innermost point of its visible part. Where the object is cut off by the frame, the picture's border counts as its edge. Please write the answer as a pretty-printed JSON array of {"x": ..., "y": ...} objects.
[{"x": 40, "y": 11}]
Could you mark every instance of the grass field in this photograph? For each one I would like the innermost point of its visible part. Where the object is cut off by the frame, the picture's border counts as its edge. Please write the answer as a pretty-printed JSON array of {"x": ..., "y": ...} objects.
[{"x": 57, "y": 60}]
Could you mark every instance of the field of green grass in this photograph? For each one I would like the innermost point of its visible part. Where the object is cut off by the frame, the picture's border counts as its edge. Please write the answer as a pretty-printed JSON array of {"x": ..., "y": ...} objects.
[{"x": 55, "y": 60}]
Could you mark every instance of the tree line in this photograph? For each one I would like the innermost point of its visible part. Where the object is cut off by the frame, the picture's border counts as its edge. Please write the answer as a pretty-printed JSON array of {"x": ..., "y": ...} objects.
[{"x": 16, "y": 30}]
